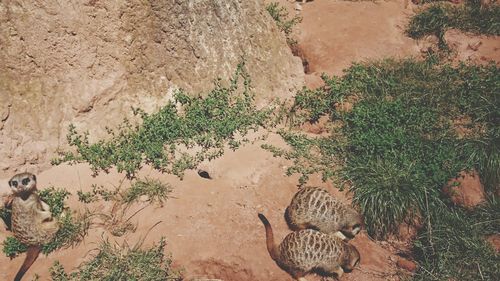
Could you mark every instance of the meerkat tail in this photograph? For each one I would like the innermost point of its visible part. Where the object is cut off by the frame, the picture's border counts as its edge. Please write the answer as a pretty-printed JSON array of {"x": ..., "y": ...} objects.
[
  {"x": 31, "y": 256},
  {"x": 271, "y": 246}
]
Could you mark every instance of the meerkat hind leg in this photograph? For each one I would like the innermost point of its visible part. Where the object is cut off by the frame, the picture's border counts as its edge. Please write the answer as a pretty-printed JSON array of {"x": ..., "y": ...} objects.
[
  {"x": 339, "y": 271},
  {"x": 331, "y": 269}
]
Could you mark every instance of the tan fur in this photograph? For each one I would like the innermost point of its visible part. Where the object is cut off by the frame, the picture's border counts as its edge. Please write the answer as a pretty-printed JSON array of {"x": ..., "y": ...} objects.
[
  {"x": 315, "y": 208},
  {"x": 306, "y": 251},
  {"x": 32, "y": 221}
]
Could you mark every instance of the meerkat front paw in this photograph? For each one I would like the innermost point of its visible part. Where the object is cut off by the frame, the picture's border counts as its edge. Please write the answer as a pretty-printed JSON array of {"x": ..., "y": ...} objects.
[{"x": 340, "y": 235}]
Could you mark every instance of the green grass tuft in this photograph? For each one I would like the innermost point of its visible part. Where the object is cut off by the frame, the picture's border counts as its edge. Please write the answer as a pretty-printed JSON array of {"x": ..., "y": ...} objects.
[
  {"x": 454, "y": 247},
  {"x": 122, "y": 263},
  {"x": 154, "y": 189},
  {"x": 470, "y": 17}
]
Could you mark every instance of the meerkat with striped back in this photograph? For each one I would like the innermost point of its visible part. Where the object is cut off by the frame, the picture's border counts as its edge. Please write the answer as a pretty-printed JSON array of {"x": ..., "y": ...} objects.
[
  {"x": 306, "y": 251},
  {"x": 315, "y": 208},
  {"x": 31, "y": 220}
]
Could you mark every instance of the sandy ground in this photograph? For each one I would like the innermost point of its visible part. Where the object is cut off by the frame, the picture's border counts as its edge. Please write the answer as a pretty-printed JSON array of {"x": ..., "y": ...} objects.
[{"x": 211, "y": 226}]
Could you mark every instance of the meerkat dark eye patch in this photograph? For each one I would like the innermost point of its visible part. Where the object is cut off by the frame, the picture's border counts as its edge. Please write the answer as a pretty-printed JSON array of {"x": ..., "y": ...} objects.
[
  {"x": 13, "y": 183},
  {"x": 25, "y": 181}
]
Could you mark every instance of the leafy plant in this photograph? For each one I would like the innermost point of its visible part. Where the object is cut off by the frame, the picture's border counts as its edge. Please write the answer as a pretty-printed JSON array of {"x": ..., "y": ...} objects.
[
  {"x": 122, "y": 263},
  {"x": 54, "y": 197},
  {"x": 171, "y": 140},
  {"x": 12, "y": 247},
  {"x": 283, "y": 21},
  {"x": 153, "y": 189},
  {"x": 399, "y": 144}
]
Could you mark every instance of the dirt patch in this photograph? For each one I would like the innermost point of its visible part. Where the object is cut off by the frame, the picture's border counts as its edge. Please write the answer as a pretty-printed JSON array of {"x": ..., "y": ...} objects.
[
  {"x": 213, "y": 268},
  {"x": 466, "y": 190},
  {"x": 333, "y": 34}
]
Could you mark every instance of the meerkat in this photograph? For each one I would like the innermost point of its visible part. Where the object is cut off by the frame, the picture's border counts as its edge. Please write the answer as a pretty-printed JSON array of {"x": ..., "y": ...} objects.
[
  {"x": 315, "y": 208},
  {"x": 308, "y": 250},
  {"x": 31, "y": 219}
]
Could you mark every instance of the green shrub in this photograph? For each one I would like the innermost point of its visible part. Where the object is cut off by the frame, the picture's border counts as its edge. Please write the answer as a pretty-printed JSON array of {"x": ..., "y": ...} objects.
[
  {"x": 122, "y": 263},
  {"x": 283, "y": 21},
  {"x": 54, "y": 197},
  {"x": 155, "y": 190},
  {"x": 205, "y": 125},
  {"x": 399, "y": 144},
  {"x": 12, "y": 247},
  {"x": 414, "y": 125}
]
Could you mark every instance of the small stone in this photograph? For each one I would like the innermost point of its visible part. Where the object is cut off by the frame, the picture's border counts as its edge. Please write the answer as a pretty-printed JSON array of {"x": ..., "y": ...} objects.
[
  {"x": 494, "y": 240},
  {"x": 407, "y": 264},
  {"x": 144, "y": 198}
]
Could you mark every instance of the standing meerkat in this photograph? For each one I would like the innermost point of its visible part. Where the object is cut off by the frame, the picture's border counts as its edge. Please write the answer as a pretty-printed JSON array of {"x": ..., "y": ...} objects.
[
  {"x": 306, "y": 251},
  {"x": 31, "y": 219},
  {"x": 315, "y": 208}
]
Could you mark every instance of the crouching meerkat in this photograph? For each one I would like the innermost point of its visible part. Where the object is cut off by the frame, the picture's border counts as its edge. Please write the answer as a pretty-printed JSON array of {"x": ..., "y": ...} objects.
[
  {"x": 306, "y": 251},
  {"x": 315, "y": 208},
  {"x": 31, "y": 219}
]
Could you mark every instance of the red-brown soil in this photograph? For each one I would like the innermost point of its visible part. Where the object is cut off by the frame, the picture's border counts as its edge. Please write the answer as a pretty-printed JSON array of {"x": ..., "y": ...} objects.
[{"x": 211, "y": 226}]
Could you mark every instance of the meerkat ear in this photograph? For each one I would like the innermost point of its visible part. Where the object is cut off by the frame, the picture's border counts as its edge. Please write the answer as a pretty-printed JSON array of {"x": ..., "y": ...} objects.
[
  {"x": 34, "y": 177},
  {"x": 10, "y": 183}
]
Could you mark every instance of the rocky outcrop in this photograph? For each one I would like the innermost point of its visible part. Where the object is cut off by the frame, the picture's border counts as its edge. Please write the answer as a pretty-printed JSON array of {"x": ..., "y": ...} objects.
[{"x": 87, "y": 62}]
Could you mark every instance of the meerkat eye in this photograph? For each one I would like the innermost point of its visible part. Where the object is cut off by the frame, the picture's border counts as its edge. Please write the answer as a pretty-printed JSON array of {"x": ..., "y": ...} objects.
[
  {"x": 13, "y": 183},
  {"x": 25, "y": 181}
]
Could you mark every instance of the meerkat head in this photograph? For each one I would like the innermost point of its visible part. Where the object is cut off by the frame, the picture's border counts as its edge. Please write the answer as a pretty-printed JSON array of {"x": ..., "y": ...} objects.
[
  {"x": 352, "y": 223},
  {"x": 351, "y": 258},
  {"x": 23, "y": 183}
]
